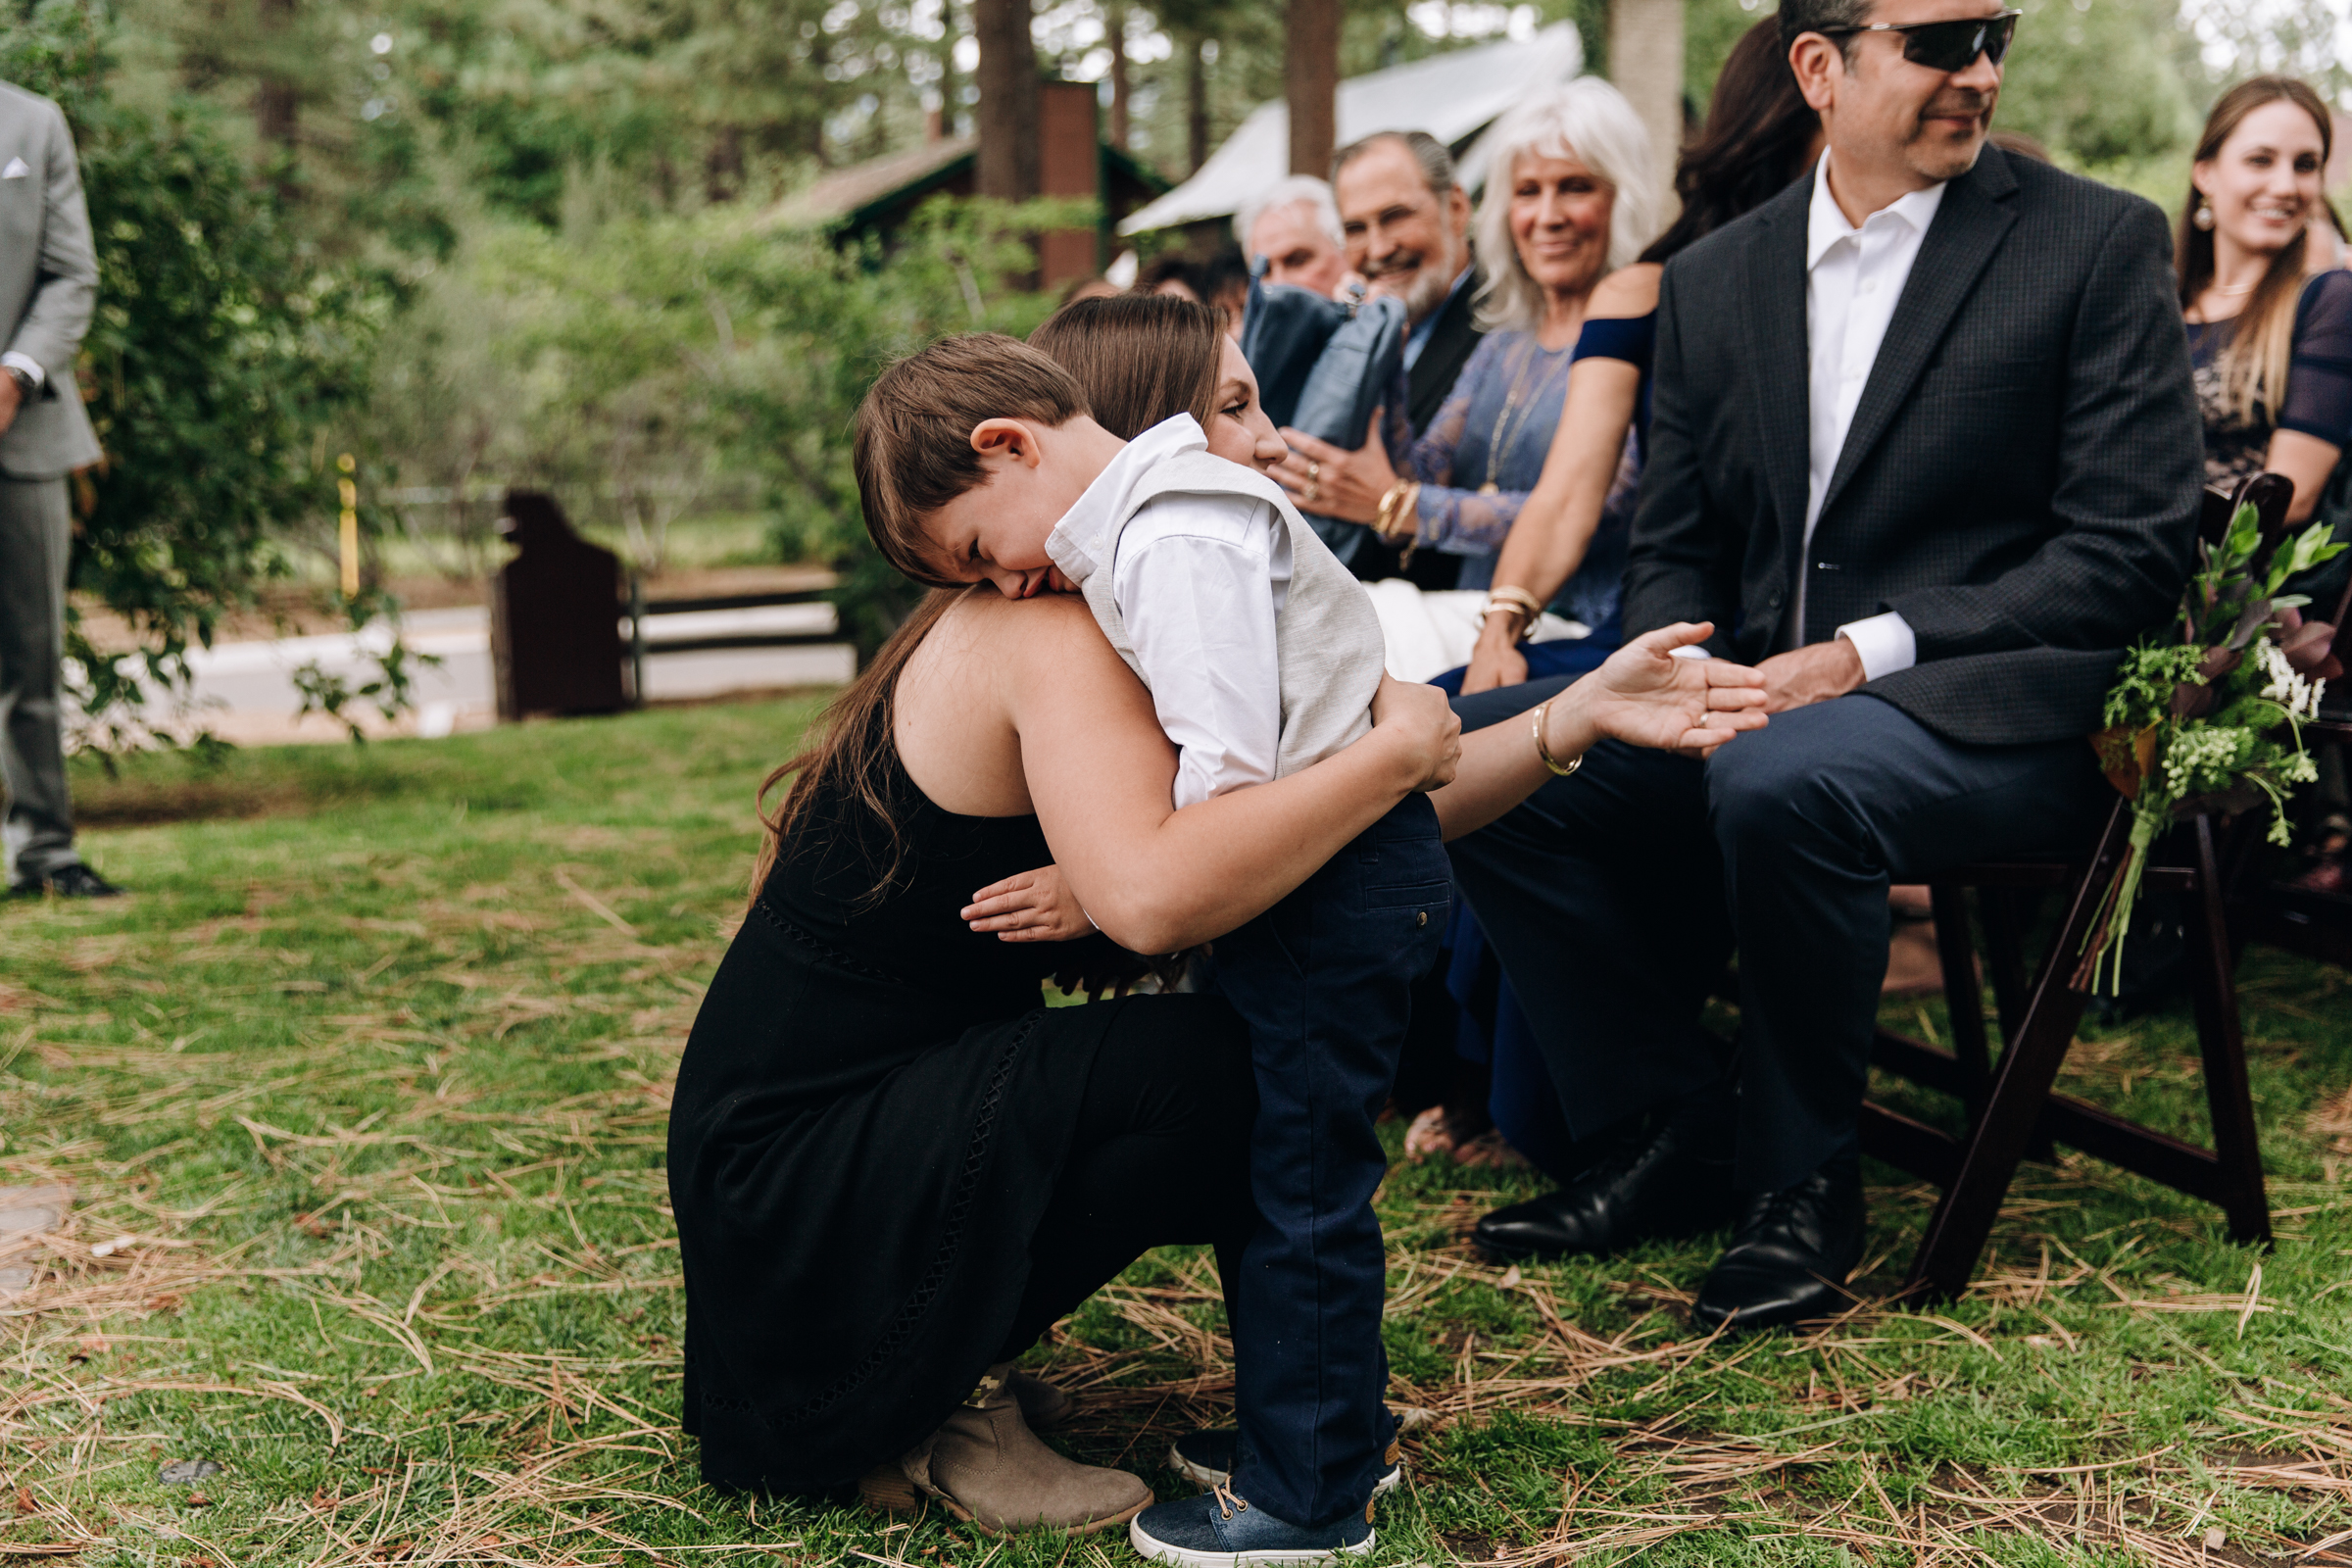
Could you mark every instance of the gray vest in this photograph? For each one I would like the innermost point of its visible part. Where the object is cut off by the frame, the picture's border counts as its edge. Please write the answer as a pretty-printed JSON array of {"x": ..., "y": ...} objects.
[{"x": 1326, "y": 636}]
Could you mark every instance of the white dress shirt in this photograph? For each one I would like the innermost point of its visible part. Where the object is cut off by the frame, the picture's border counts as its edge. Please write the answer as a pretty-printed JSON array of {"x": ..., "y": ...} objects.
[
  {"x": 1854, "y": 277},
  {"x": 1199, "y": 579}
]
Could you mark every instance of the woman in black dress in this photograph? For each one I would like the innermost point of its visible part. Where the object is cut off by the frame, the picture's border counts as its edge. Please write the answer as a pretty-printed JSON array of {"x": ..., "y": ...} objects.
[{"x": 891, "y": 1167}]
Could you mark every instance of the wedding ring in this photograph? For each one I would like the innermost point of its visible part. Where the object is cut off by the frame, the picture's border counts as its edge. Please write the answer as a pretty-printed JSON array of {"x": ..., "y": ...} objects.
[{"x": 1314, "y": 474}]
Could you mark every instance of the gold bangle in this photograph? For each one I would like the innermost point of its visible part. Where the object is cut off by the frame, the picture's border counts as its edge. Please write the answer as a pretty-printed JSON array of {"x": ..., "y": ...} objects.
[
  {"x": 1520, "y": 597},
  {"x": 1544, "y": 752},
  {"x": 1505, "y": 606},
  {"x": 1384, "y": 520},
  {"x": 1520, "y": 604}
]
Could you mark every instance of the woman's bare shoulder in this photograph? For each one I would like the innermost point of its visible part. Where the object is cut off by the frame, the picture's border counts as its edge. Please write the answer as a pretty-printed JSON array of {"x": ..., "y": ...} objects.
[
  {"x": 1051, "y": 625},
  {"x": 1631, "y": 290},
  {"x": 1052, "y": 639}
]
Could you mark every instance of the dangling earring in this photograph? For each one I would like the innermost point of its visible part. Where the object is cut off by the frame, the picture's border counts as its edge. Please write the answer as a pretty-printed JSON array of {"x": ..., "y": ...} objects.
[{"x": 2203, "y": 216}]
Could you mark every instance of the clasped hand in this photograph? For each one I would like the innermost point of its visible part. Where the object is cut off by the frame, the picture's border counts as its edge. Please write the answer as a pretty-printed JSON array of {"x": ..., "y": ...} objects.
[{"x": 1332, "y": 483}]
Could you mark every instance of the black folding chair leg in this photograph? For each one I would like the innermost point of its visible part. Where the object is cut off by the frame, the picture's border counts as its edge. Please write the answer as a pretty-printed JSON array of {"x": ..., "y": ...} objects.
[
  {"x": 2236, "y": 1146},
  {"x": 1970, "y": 1206}
]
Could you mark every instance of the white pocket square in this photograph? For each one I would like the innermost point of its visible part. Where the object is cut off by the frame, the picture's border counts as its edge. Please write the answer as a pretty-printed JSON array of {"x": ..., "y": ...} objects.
[{"x": 17, "y": 169}]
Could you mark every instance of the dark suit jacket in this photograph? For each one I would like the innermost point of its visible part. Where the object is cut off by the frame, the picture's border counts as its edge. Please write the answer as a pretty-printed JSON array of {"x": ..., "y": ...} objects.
[
  {"x": 1427, "y": 385},
  {"x": 1442, "y": 358},
  {"x": 2021, "y": 480}
]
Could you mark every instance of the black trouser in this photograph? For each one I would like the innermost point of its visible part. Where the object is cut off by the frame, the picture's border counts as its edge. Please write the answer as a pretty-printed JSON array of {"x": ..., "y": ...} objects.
[
  {"x": 1615, "y": 897},
  {"x": 1159, "y": 1158}
]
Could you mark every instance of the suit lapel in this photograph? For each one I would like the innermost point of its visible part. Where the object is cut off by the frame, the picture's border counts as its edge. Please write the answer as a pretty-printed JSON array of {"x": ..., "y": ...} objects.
[
  {"x": 1969, "y": 227},
  {"x": 1775, "y": 326}
]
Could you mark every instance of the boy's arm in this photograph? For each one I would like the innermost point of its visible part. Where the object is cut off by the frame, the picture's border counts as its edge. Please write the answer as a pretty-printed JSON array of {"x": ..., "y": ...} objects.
[{"x": 1195, "y": 585}]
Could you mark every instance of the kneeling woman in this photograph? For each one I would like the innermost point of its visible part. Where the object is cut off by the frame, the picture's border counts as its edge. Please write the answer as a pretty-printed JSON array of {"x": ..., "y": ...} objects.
[{"x": 891, "y": 1167}]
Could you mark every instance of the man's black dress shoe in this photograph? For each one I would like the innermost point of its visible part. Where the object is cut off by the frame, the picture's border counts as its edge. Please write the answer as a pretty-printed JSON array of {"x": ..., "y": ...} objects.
[
  {"x": 1666, "y": 1182},
  {"x": 1789, "y": 1260},
  {"x": 75, "y": 881}
]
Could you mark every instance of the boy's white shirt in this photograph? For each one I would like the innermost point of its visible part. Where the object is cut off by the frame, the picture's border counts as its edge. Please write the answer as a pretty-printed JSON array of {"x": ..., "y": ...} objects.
[{"x": 1198, "y": 580}]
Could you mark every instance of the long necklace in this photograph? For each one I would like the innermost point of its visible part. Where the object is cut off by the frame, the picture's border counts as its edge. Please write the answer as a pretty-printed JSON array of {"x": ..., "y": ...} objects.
[{"x": 1508, "y": 421}]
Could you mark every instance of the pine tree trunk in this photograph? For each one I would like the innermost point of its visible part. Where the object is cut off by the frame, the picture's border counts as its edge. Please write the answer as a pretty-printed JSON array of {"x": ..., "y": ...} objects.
[
  {"x": 1007, "y": 121},
  {"x": 1116, "y": 23},
  {"x": 1311, "y": 78},
  {"x": 278, "y": 102},
  {"x": 1196, "y": 105},
  {"x": 1646, "y": 63},
  {"x": 722, "y": 165},
  {"x": 949, "y": 105}
]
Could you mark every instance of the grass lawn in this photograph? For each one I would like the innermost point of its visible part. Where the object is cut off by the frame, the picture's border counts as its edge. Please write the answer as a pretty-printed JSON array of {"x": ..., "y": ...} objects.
[{"x": 361, "y": 1102}]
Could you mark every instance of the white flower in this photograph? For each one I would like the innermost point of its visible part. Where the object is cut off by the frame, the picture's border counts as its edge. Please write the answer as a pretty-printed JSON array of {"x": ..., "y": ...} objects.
[
  {"x": 2289, "y": 690},
  {"x": 2201, "y": 758}
]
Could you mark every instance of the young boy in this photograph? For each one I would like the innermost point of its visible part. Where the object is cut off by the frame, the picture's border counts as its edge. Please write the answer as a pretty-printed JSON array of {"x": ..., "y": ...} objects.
[{"x": 976, "y": 460}]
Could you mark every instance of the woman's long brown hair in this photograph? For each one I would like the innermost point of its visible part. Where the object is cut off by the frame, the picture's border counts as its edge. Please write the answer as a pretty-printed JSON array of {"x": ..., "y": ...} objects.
[
  {"x": 849, "y": 753},
  {"x": 1139, "y": 358},
  {"x": 1758, "y": 137},
  {"x": 2254, "y": 365}
]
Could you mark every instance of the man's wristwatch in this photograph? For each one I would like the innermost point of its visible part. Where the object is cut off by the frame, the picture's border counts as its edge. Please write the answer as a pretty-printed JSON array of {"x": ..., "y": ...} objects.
[{"x": 27, "y": 386}]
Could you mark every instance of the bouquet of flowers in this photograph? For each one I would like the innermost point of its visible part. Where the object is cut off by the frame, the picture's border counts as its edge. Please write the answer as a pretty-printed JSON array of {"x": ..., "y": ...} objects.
[{"x": 2205, "y": 715}]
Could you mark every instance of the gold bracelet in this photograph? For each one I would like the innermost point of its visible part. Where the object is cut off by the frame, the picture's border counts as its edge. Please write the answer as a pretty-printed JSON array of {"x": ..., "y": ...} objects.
[
  {"x": 1385, "y": 518},
  {"x": 1544, "y": 752},
  {"x": 1505, "y": 606},
  {"x": 1519, "y": 604},
  {"x": 1520, "y": 597}
]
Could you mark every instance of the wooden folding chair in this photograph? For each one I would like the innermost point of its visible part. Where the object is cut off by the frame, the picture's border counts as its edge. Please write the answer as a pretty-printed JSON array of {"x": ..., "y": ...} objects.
[{"x": 2011, "y": 1108}]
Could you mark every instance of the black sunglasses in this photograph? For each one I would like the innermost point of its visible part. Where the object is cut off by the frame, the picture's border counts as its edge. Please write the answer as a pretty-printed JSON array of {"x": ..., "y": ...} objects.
[{"x": 1946, "y": 45}]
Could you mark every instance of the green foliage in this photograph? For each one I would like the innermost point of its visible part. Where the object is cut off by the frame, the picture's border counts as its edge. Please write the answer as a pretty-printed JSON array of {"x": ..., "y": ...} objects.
[
  {"x": 637, "y": 366},
  {"x": 216, "y": 350},
  {"x": 2097, "y": 80},
  {"x": 2195, "y": 713}
]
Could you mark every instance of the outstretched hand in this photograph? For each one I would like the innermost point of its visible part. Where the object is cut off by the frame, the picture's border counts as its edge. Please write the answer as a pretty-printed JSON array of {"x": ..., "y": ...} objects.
[{"x": 1647, "y": 695}]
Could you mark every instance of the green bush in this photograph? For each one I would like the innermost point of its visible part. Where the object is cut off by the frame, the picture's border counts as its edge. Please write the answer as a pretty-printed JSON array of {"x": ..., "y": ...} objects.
[
  {"x": 216, "y": 355},
  {"x": 636, "y": 365}
]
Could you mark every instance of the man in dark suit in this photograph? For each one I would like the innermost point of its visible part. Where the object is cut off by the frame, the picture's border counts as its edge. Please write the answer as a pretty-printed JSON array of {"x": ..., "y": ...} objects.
[
  {"x": 1406, "y": 220},
  {"x": 1924, "y": 446}
]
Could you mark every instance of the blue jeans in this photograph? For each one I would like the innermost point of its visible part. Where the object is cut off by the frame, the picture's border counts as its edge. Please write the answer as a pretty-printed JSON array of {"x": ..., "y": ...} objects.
[{"x": 1324, "y": 981}]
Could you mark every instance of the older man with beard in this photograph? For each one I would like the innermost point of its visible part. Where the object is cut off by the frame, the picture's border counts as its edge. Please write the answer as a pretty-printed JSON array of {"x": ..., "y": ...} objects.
[
  {"x": 1407, "y": 226},
  {"x": 1408, "y": 223}
]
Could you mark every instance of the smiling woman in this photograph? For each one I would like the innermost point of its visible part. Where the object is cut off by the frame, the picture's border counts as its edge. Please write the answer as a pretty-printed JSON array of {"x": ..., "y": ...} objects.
[
  {"x": 1573, "y": 195},
  {"x": 2270, "y": 316}
]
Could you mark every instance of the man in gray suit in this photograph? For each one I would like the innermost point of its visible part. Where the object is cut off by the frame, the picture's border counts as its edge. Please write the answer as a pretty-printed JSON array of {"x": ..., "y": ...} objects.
[{"x": 48, "y": 286}]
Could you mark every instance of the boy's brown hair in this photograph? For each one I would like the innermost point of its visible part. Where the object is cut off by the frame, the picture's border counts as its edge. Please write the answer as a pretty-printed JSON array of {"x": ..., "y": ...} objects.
[
  {"x": 913, "y": 447},
  {"x": 1140, "y": 357}
]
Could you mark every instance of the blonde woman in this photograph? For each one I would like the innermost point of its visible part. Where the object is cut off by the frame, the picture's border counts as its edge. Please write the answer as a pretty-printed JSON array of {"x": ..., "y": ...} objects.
[
  {"x": 1571, "y": 195},
  {"x": 2270, "y": 318}
]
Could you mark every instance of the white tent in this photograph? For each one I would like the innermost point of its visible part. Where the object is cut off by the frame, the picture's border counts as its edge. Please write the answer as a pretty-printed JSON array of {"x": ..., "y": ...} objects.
[{"x": 1451, "y": 96}]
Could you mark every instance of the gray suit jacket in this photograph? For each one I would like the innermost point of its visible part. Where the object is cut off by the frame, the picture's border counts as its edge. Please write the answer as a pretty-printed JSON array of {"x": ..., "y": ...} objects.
[
  {"x": 48, "y": 283},
  {"x": 2021, "y": 480}
]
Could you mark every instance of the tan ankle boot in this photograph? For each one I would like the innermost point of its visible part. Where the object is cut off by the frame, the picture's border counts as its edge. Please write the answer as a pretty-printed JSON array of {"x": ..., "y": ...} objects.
[
  {"x": 990, "y": 1471},
  {"x": 1043, "y": 1405}
]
